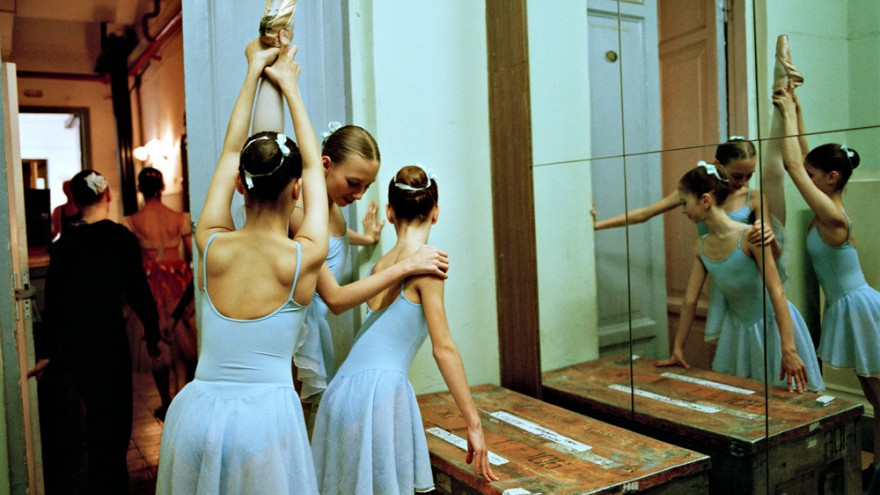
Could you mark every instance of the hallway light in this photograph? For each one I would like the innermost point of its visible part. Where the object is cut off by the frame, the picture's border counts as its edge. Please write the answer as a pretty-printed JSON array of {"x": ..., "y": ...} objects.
[{"x": 155, "y": 151}]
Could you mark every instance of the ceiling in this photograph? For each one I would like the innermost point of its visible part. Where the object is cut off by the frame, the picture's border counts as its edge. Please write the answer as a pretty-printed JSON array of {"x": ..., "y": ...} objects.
[{"x": 64, "y": 36}]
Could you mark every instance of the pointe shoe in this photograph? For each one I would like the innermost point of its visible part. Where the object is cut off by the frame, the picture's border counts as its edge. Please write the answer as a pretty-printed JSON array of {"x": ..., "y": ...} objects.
[
  {"x": 785, "y": 74},
  {"x": 276, "y": 25}
]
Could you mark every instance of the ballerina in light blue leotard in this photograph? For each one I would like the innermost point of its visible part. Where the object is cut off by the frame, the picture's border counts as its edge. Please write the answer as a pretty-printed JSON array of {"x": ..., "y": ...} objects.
[
  {"x": 851, "y": 320},
  {"x": 738, "y": 157},
  {"x": 737, "y": 267},
  {"x": 368, "y": 435},
  {"x": 351, "y": 161},
  {"x": 237, "y": 427}
]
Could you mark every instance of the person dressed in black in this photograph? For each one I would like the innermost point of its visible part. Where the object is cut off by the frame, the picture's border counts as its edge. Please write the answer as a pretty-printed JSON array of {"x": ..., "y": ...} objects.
[{"x": 96, "y": 269}]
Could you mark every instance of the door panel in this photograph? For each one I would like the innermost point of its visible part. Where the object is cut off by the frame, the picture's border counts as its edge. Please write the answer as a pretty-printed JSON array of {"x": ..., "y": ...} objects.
[{"x": 21, "y": 413}]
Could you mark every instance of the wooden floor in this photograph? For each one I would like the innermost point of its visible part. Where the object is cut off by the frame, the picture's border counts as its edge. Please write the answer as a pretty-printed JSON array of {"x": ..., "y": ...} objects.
[{"x": 146, "y": 434}]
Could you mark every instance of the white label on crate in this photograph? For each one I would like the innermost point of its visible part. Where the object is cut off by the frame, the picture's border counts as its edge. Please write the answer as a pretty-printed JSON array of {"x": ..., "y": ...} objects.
[
  {"x": 812, "y": 443},
  {"x": 516, "y": 491},
  {"x": 709, "y": 383},
  {"x": 663, "y": 398},
  {"x": 461, "y": 443},
  {"x": 539, "y": 430}
]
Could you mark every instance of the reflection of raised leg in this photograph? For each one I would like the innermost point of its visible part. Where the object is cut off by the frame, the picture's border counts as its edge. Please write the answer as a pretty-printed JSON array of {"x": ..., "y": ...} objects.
[
  {"x": 785, "y": 76},
  {"x": 276, "y": 29}
]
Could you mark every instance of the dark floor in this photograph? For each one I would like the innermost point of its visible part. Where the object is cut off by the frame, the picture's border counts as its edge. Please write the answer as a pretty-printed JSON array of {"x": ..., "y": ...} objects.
[{"x": 143, "y": 450}]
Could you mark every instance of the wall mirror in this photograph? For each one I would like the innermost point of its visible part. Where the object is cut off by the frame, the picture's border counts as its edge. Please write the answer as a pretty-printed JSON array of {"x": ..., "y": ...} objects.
[{"x": 626, "y": 97}]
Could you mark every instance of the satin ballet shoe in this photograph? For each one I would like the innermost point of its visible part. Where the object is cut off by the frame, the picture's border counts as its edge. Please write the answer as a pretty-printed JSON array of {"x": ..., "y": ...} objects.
[
  {"x": 785, "y": 74},
  {"x": 276, "y": 25}
]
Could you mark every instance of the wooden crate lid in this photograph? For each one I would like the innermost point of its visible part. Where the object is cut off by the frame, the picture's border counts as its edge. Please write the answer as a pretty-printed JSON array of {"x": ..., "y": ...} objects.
[
  {"x": 704, "y": 406},
  {"x": 541, "y": 448}
]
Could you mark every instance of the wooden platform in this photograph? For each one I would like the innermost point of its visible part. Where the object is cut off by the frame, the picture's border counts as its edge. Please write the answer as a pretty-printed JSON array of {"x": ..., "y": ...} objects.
[
  {"x": 540, "y": 448},
  {"x": 809, "y": 447}
]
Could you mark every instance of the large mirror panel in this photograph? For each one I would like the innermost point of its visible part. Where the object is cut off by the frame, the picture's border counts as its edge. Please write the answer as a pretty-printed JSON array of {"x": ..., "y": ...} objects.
[
  {"x": 825, "y": 285},
  {"x": 618, "y": 293},
  {"x": 835, "y": 46}
]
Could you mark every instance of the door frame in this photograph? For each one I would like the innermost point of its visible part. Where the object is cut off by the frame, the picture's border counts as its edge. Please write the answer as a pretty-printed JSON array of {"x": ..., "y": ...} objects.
[{"x": 20, "y": 426}]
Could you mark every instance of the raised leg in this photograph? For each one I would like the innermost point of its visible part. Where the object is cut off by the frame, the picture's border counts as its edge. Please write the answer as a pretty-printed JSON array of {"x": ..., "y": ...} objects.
[
  {"x": 276, "y": 29},
  {"x": 788, "y": 77}
]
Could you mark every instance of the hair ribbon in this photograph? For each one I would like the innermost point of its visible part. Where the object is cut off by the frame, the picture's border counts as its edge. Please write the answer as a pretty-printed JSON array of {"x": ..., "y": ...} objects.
[
  {"x": 281, "y": 141},
  {"x": 332, "y": 127},
  {"x": 711, "y": 170},
  {"x": 97, "y": 183},
  {"x": 849, "y": 153},
  {"x": 406, "y": 187}
]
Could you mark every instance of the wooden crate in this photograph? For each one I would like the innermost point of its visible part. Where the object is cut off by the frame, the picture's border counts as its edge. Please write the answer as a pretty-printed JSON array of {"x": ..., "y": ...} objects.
[
  {"x": 808, "y": 447},
  {"x": 541, "y": 448}
]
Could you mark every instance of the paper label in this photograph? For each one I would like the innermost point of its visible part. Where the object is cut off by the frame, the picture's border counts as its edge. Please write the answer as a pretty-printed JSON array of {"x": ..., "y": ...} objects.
[
  {"x": 708, "y": 383},
  {"x": 540, "y": 431},
  {"x": 663, "y": 398},
  {"x": 461, "y": 443}
]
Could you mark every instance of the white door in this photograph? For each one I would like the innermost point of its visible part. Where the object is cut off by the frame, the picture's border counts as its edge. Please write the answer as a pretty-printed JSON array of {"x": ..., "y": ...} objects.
[
  {"x": 20, "y": 416},
  {"x": 624, "y": 88}
]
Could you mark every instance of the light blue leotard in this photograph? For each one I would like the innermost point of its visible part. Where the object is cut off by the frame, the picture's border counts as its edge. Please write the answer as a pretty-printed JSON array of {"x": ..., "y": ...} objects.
[
  {"x": 851, "y": 321},
  {"x": 368, "y": 435},
  {"x": 741, "y": 341},
  {"x": 238, "y": 427}
]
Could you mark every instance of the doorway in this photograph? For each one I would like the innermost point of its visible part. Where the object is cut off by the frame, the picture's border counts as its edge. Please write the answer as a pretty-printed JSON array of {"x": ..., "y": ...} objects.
[{"x": 53, "y": 149}]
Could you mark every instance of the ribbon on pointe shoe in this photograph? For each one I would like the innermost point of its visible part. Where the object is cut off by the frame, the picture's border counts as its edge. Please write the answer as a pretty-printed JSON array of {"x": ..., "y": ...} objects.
[
  {"x": 276, "y": 25},
  {"x": 785, "y": 74}
]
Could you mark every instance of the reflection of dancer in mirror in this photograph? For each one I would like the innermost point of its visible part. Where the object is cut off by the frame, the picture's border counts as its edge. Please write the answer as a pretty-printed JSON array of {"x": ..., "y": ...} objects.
[
  {"x": 738, "y": 158},
  {"x": 166, "y": 248},
  {"x": 368, "y": 435},
  {"x": 851, "y": 320},
  {"x": 737, "y": 266},
  {"x": 236, "y": 428}
]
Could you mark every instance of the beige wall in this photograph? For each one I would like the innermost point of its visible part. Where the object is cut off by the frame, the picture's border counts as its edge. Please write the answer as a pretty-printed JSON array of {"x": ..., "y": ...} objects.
[
  {"x": 158, "y": 103},
  {"x": 161, "y": 108},
  {"x": 94, "y": 95}
]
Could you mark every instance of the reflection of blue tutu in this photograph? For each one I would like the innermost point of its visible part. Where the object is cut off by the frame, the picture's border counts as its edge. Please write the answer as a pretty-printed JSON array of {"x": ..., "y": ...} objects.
[
  {"x": 850, "y": 335},
  {"x": 851, "y": 322},
  {"x": 741, "y": 347}
]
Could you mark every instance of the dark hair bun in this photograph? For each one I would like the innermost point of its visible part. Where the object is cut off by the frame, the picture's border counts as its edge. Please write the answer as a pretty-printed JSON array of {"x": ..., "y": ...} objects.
[{"x": 150, "y": 182}]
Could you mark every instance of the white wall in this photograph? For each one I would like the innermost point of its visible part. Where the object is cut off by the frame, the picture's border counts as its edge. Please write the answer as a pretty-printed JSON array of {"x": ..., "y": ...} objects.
[
  {"x": 419, "y": 72},
  {"x": 560, "y": 103}
]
